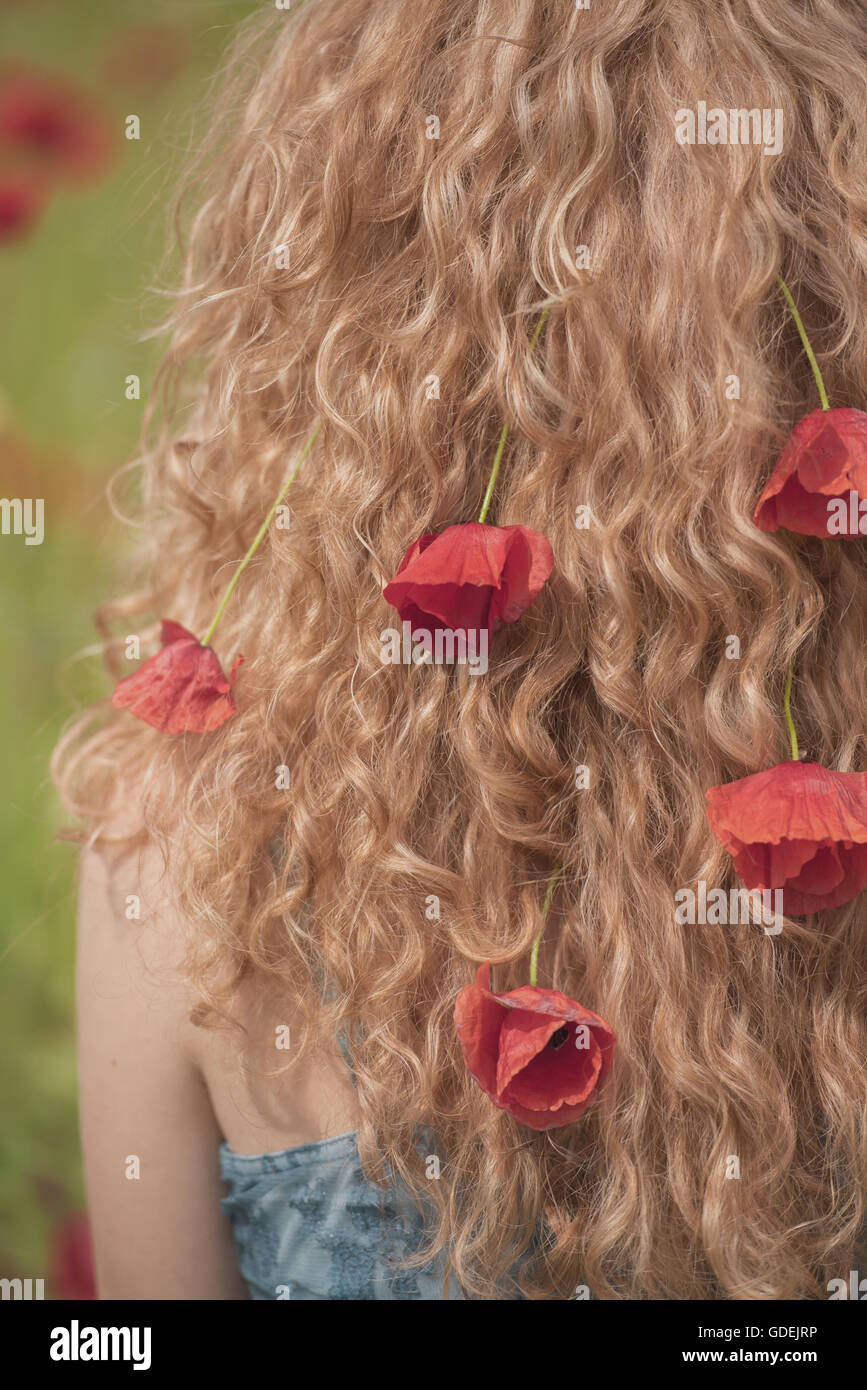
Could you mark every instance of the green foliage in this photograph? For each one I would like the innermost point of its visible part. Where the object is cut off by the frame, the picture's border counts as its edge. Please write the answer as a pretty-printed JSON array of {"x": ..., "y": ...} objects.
[{"x": 75, "y": 299}]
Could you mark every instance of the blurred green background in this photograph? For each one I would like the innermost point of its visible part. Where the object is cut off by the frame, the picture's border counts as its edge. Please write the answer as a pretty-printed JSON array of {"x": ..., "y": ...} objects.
[{"x": 75, "y": 296}]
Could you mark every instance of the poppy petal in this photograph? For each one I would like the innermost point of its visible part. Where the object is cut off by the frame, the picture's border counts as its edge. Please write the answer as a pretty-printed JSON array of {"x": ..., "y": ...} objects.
[
  {"x": 478, "y": 1020},
  {"x": 551, "y": 1079}
]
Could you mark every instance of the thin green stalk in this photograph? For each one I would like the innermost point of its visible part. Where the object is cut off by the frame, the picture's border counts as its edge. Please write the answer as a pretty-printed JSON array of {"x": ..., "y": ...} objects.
[
  {"x": 534, "y": 958},
  {"x": 823, "y": 395},
  {"x": 492, "y": 481},
  {"x": 787, "y": 707},
  {"x": 259, "y": 536}
]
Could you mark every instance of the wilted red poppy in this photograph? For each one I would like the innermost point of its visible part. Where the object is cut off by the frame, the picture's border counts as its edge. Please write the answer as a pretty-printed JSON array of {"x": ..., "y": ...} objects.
[
  {"x": 44, "y": 120},
  {"x": 71, "y": 1255},
  {"x": 180, "y": 690},
  {"x": 470, "y": 576},
  {"x": 535, "y": 1052},
  {"x": 798, "y": 827},
  {"x": 825, "y": 458},
  {"x": 22, "y": 197}
]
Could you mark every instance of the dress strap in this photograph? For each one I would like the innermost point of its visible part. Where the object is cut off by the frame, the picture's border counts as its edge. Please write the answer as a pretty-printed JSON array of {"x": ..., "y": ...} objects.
[{"x": 343, "y": 1042}]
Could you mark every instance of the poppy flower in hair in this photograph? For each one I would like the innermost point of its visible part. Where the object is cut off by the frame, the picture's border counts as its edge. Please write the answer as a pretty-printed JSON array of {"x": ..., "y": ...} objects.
[
  {"x": 472, "y": 576},
  {"x": 821, "y": 475},
  {"x": 535, "y": 1052},
  {"x": 180, "y": 690},
  {"x": 824, "y": 460},
  {"x": 799, "y": 827},
  {"x": 183, "y": 688}
]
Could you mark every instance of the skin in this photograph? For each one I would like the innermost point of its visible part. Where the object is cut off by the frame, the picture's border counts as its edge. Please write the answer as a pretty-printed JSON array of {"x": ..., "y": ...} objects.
[{"x": 154, "y": 1085}]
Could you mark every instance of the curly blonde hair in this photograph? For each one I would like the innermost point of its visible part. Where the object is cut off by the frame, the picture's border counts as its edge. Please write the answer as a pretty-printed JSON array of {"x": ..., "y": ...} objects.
[{"x": 342, "y": 265}]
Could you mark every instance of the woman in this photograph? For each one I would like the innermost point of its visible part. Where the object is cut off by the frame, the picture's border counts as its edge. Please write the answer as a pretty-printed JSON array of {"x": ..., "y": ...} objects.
[{"x": 411, "y": 230}]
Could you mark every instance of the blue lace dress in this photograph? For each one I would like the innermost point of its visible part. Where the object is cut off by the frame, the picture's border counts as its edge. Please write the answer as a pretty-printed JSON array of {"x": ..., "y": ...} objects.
[{"x": 308, "y": 1224}]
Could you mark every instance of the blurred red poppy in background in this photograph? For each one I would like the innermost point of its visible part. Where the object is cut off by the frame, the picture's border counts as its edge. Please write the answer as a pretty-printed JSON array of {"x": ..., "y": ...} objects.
[
  {"x": 48, "y": 125},
  {"x": 71, "y": 1272},
  {"x": 22, "y": 198}
]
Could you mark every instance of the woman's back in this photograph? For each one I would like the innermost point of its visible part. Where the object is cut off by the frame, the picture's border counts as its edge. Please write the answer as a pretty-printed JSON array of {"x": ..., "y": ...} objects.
[{"x": 469, "y": 308}]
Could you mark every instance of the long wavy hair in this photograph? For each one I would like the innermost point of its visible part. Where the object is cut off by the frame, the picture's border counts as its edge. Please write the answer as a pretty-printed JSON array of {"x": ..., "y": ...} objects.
[{"x": 349, "y": 260}]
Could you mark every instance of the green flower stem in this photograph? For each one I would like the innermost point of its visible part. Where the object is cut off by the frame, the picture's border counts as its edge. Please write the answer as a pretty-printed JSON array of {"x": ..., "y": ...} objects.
[
  {"x": 259, "y": 536},
  {"x": 534, "y": 958},
  {"x": 492, "y": 481},
  {"x": 823, "y": 395},
  {"x": 787, "y": 707}
]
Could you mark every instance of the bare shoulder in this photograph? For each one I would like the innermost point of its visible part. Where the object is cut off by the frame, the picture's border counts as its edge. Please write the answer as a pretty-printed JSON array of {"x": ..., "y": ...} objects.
[
  {"x": 134, "y": 987},
  {"x": 150, "y": 1136},
  {"x": 132, "y": 942}
]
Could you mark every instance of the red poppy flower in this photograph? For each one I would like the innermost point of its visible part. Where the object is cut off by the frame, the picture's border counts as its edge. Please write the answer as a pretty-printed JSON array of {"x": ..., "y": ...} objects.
[
  {"x": 470, "y": 576},
  {"x": 825, "y": 457},
  {"x": 798, "y": 827},
  {"x": 22, "y": 197},
  {"x": 72, "y": 1274},
  {"x": 529, "y": 1051},
  {"x": 180, "y": 690},
  {"x": 46, "y": 121}
]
